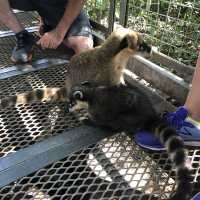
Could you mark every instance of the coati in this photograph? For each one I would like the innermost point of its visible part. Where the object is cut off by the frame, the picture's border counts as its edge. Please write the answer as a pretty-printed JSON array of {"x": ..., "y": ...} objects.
[
  {"x": 101, "y": 65},
  {"x": 128, "y": 109}
]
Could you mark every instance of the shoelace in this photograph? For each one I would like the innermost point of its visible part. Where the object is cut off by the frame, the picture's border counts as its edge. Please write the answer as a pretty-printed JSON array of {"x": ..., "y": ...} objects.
[
  {"x": 21, "y": 41},
  {"x": 173, "y": 119},
  {"x": 176, "y": 119}
]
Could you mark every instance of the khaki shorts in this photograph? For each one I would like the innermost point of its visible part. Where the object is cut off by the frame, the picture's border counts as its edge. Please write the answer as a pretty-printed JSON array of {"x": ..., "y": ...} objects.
[{"x": 51, "y": 12}]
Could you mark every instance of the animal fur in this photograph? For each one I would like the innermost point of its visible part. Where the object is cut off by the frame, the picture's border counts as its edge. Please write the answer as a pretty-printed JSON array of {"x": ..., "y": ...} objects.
[
  {"x": 128, "y": 109},
  {"x": 102, "y": 65}
]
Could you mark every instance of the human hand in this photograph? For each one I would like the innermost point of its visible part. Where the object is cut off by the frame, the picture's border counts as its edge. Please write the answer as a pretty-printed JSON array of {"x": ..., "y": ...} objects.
[{"x": 50, "y": 40}]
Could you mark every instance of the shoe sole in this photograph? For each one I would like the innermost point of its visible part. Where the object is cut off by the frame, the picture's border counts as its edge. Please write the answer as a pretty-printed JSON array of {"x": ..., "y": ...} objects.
[
  {"x": 151, "y": 148},
  {"x": 192, "y": 143},
  {"x": 186, "y": 143},
  {"x": 20, "y": 61},
  {"x": 196, "y": 197}
]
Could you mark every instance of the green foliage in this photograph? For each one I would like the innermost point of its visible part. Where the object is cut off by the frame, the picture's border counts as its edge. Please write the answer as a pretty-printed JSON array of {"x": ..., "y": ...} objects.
[
  {"x": 173, "y": 26},
  {"x": 98, "y": 10}
]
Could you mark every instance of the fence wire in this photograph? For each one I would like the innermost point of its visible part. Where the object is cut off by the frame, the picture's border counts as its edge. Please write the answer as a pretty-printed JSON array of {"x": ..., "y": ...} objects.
[
  {"x": 172, "y": 25},
  {"x": 98, "y": 10}
]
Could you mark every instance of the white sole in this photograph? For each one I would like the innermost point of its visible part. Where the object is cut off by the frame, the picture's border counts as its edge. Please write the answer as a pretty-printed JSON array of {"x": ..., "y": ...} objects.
[
  {"x": 186, "y": 143},
  {"x": 192, "y": 143},
  {"x": 197, "y": 195},
  {"x": 151, "y": 148}
]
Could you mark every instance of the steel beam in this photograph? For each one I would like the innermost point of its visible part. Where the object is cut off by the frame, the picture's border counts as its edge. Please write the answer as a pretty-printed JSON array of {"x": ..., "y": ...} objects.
[
  {"x": 33, "y": 158},
  {"x": 181, "y": 69},
  {"x": 31, "y": 67},
  {"x": 111, "y": 19},
  {"x": 10, "y": 33},
  {"x": 123, "y": 12},
  {"x": 160, "y": 78}
]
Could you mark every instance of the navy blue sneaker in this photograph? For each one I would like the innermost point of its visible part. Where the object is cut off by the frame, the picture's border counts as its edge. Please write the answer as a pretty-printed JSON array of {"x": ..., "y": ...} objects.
[
  {"x": 186, "y": 127},
  {"x": 196, "y": 197}
]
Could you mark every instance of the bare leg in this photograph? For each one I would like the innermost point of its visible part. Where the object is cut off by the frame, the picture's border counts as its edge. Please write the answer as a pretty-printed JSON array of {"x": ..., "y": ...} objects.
[
  {"x": 78, "y": 43},
  {"x": 193, "y": 100},
  {"x": 8, "y": 18}
]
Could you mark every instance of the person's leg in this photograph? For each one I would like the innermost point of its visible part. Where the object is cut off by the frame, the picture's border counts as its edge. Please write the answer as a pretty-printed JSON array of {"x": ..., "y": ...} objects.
[
  {"x": 8, "y": 18},
  {"x": 193, "y": 99},
  {"x": 79, "y": 36},
  {"x": 79, "y": 43},
  {"x": 23, "y": 49}
]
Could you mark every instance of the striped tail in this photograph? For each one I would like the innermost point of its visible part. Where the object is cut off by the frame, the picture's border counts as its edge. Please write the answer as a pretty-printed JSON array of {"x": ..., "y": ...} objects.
[
  {"x": 48, "y": 94},
  {"x": 178, "y": 155}
]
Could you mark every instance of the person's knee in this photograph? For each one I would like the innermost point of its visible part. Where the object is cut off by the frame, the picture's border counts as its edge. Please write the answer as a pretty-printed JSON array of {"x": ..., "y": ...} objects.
[{"x": 79, "y": 43}]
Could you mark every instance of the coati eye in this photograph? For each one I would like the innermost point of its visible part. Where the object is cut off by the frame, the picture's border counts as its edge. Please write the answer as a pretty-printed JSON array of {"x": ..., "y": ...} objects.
[{"x": 78, "y": 95}]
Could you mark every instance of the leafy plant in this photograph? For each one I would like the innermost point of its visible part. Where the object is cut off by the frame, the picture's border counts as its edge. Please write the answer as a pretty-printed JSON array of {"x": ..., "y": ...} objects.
[{"x": 174, "y": 26}]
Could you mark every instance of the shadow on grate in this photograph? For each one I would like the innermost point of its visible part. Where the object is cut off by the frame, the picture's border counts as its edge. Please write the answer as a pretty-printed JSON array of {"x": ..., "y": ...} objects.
[
  {"x": 28, "y": 124},
  {"x": 163, "y": 163},
  {"x": 8, "y": 43},
  {"x": 27, "y": 19},
  {"x": 115, "y": 168}
]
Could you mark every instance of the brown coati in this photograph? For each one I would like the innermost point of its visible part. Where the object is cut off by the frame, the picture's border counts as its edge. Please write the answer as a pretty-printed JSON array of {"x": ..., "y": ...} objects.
[
  {"x": 101, "y": 65},
  {"x": 128, "y": 109}
]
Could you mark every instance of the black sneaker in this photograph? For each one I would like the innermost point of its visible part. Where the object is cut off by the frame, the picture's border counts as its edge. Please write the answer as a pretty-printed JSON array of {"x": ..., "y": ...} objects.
[{"x": 22, "y": 52}]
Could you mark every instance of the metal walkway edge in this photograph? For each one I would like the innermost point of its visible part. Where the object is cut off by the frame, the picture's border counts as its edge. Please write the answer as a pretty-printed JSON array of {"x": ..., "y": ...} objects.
[{"x": 41, "y": 154}]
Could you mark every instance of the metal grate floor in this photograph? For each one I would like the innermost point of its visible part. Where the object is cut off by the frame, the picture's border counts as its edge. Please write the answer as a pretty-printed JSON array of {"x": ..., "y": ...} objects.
[
  {"x": 27, "y": 124},
  {"x": 114, "y": 168}
]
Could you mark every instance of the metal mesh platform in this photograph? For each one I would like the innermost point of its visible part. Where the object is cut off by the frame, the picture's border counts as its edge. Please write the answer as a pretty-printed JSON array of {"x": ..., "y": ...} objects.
[
  {"x": 27, "y": 124},
  {"x": 27, "y": 19},
  {"x": 114, "y": 168}
]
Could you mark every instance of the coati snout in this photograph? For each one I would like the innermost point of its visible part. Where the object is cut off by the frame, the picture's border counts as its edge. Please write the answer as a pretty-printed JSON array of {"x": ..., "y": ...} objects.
[{"x": 145, "y": 47}]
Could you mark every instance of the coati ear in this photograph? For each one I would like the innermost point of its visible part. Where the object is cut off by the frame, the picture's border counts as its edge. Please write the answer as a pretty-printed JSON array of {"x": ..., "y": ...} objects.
[
  {"x": 133, "y": 40},
  {"x": 130, "y": 40},
  {"x": 140, "y": 39},
  {"x": 124, "y": 43},
  {"x": 78, "y": 95}
]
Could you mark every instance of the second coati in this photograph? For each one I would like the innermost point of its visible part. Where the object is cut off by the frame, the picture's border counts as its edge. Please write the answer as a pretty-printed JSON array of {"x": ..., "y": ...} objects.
[
  {"x": 128, "y": 109},
  {"x": 101, "y": 65}
]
